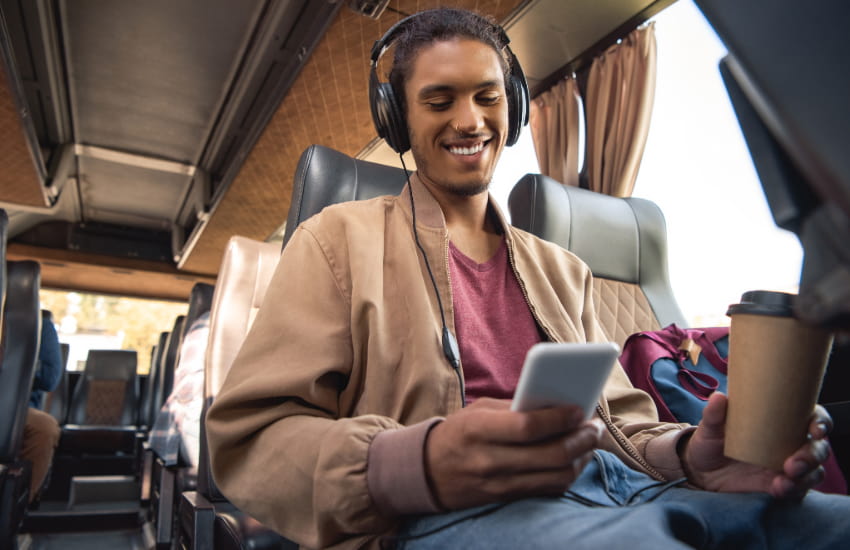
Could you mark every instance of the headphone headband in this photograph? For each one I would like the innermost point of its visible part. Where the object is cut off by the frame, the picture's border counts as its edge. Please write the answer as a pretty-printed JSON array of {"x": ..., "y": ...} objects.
[
  {"x": 388, "y": 115},
  {"x": 381, "y": 44}
]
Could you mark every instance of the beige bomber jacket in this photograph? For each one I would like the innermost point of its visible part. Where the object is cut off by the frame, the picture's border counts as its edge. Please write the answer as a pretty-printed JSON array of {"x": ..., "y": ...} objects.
[{"x": 347, "y": 345}]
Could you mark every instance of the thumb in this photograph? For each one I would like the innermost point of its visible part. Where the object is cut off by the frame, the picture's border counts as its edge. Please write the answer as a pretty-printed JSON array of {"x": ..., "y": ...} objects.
[{"x": 714, "y": 416}]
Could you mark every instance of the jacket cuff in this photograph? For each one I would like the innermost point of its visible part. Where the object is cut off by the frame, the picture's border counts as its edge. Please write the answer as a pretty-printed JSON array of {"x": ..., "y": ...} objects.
[
  {"x": 661, "y": 452},
  {"x": 395, "y": 472}
]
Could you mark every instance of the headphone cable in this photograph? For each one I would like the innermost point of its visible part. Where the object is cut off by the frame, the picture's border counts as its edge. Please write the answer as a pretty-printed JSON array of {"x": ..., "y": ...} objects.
[{"x": 450, "y": 347}]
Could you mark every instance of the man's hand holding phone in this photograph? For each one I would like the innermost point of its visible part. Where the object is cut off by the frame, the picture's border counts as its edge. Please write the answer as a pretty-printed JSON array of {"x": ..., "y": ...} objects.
[
  {"x": 488, "y": 453},
  {"x": 496, "y": 450}
]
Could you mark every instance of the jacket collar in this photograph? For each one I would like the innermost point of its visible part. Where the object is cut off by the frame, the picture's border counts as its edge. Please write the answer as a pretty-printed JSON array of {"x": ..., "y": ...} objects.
[{"x": 429, "y": 213}]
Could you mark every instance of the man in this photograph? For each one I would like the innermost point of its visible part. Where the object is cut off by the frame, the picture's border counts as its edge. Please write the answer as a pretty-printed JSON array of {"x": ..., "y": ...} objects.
[
  {"x": 344, "y": 398},
  {"x": 50, "y": 368},
  {"x": 41, "y": 431}
]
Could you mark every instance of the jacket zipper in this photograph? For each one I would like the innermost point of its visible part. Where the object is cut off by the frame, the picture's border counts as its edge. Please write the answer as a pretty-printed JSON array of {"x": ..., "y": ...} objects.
[
  {"x": 627, "y": 445},
  {"x": 624, "y": 442},
  {"x": 458, "y": 368}
]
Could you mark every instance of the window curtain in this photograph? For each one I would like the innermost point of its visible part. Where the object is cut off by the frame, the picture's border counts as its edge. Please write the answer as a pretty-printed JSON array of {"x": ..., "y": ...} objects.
[
  {"x": 554, "y": 121},
  {"x": 618, "y": 102}
]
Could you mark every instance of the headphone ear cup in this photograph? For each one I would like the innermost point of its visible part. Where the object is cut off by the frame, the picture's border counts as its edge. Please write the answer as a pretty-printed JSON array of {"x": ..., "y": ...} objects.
[
  {"x": 517, "y": 108},
  {"x": 513, "y": 121},
  {"x": 389, "y": 118}
]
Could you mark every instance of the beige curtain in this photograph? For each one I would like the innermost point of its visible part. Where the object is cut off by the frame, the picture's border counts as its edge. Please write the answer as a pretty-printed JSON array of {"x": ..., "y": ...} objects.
[
  {"x": 618, "y": 102},
  {"x": 554, "y": 120}
]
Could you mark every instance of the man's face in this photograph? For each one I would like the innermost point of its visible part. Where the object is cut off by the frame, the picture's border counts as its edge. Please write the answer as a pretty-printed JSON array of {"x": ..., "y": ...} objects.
[{"x": 457, "y": 114}]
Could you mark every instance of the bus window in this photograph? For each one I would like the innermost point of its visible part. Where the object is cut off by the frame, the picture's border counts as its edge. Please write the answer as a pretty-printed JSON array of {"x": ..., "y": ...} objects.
[
  {"x": 94, "y": 321},
  {"x": 696, "y": 166},
  {"x": 515, "y": 162}
]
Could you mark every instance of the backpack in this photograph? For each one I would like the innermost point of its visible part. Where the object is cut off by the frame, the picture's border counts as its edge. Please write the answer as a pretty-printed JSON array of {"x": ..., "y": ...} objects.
[{"x": 680, "y": 369}]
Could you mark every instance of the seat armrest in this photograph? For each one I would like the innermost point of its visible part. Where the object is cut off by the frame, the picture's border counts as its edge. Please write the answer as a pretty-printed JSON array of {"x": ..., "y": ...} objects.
[{"x": 197, "y": 516}]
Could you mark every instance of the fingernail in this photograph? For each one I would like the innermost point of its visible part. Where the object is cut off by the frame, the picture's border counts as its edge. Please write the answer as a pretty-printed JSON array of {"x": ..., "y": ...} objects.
[
  {"x": 786, "y": 486},
  {"x": 798, "y": 469},
  {"x": 821, "y": 429},
  {"x": 600, "y": 427}
]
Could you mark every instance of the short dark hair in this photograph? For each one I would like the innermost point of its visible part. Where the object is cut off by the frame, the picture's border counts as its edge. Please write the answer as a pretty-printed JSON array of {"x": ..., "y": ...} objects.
[{"x": 439, "y": 25}]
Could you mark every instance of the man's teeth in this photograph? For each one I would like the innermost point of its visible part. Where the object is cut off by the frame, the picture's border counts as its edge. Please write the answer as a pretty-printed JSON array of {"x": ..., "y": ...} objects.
[{"x": 466, "y": 150}]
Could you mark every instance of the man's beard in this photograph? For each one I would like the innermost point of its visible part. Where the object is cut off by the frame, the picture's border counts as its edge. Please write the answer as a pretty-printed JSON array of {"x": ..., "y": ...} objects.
[
  {"x": 469, "y": 191},
  {"x": 459, "y": 189}
]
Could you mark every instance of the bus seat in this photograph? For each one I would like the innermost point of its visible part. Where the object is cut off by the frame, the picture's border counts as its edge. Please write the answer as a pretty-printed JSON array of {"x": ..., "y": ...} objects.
[
  {"x": 102, "y": 414},
  {"x": 149, "y": 405},
  {"x": 622, "y": 240},
  {"x": 22, "y": 331},
  {"x": 324, "y": 177},
  {"x": 4, "y": 229},
  {"x": 200, "y": 302},
  {"x": 145, "y": 386},
  {"x": 56, "y": 402},
  {"x": 65, "y": 350},
  {"x": 108, "y": 392},
  {"x": 168, "y": 482},
  {"x": 206, "y": 518},
  {"x": 165, "y": 374},
  {"x": 101, "y": 424},
  {"x": 19, "y": 353}
]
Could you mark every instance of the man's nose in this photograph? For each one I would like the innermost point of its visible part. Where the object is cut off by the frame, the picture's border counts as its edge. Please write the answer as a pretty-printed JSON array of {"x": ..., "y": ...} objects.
[{"x": 469, "y": 117}]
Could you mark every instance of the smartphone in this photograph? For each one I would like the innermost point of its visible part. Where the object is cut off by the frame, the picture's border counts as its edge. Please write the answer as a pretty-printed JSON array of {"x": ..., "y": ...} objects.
[{"x": 560, "y": 374}]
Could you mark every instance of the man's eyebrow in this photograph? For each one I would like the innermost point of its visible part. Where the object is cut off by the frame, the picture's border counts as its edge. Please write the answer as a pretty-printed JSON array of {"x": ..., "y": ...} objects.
[{"x": 442, "y": 88}]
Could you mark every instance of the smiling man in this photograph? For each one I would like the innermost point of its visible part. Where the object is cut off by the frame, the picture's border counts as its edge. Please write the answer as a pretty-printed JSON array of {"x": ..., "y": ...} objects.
[{"x": 373, "y": 391}]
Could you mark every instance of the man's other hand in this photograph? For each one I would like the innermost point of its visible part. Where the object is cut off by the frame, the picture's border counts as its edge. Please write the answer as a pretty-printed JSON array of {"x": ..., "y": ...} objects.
[{"x": 707, "y": 467}]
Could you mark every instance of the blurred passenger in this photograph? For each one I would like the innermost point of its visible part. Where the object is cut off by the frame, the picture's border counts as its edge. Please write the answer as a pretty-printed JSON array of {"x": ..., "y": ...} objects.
[
  {"x": 48, "y": 373},
  {"x": 41, "y": 431},
  {"x": 176, "y": 431}
]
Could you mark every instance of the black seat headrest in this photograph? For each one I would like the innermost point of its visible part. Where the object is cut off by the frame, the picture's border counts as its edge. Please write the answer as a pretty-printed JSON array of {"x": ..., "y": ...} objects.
[
  {"x": 326, "y": 177},
  {"x": 200, "y": 302},
  {"x": 622, "y": 239}
]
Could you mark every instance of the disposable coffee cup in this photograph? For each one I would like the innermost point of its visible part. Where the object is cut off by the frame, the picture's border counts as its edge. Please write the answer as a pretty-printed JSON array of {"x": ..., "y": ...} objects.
[{"x": 776, "y": 366}]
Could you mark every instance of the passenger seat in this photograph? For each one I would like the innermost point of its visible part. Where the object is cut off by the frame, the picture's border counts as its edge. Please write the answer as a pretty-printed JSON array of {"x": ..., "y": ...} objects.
[
  {"x": 622, "y": 240},
  {"x": 207, "y": 519},
  {"x": 21, "y": 320}
]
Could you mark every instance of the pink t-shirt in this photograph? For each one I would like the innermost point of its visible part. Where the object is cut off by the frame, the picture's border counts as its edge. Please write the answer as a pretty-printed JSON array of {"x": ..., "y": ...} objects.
[
  {"x": 495, "y": 329},
  {"x": 494, "y": 324}
]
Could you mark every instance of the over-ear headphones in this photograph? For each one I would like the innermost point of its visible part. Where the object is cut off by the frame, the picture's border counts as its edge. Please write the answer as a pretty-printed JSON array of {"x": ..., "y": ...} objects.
[{"x": 388, "y": 114}]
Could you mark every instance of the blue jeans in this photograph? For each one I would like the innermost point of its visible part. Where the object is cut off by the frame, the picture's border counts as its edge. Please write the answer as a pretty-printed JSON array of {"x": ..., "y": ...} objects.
[{"x": 612, "y": 506}]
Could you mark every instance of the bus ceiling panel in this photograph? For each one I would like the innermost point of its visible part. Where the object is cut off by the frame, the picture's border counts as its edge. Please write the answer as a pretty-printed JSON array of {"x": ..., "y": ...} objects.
[
  {"x": 552, "y": 38},
  {"x": 150, "y": 77},
  {"x": 92, "y": 271},
  {"x": 32, "y": 34},
  {"x": 21, "y": 176},
  {"x": 66, "y": 208},
  {"x": 130, "y": 195}
]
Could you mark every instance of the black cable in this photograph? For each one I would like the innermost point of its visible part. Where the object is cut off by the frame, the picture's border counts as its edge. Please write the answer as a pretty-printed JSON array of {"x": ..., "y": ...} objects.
[{"x": 450, "y": 347}]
